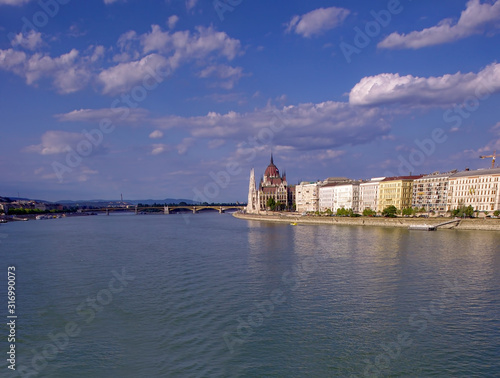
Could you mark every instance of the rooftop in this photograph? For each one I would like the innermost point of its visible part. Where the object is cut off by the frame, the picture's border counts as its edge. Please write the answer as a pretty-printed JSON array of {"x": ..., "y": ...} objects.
[{"x": 477, "y": 172}]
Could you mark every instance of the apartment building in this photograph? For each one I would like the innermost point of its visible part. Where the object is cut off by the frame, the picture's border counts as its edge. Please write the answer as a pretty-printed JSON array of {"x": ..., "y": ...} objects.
[
  {"x": 346, "y": 196},
  {"x": 307, "y": 196},
  {"x": 431, "y": 192},
  {"x": 368, "y": 194},
  {"x": 396, "y": 191},
  {"x": 478, "y": 188}
]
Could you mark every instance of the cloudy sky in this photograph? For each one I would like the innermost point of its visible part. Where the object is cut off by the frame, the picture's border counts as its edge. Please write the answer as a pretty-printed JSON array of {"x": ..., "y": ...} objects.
[{"x": 175, "y": 98}]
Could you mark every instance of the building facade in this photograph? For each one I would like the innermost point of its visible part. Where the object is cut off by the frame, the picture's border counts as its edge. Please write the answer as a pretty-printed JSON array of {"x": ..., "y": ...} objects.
[
  {"x": 430, "y": 192},
  {"x": 396, "y": 191},
  {"x": 272, "y": 185},
  {"x": 346, "y": 196},
  {"x": 479, "y": 189},
  {"x": 368, "y": 194},
  {"x": 326, "y": 197},
  {"x": 307, "y": 196}
]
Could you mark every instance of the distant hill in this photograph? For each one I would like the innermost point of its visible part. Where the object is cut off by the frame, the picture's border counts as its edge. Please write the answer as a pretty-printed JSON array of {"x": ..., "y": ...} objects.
[{"x": 12, "y": 199}]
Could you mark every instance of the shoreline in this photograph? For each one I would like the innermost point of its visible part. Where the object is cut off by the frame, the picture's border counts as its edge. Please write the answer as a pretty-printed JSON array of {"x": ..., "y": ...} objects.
[{"x": 463, "y": 224}]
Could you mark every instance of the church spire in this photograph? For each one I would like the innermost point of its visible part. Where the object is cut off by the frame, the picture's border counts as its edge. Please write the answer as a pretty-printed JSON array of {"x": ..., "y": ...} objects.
[{"x": 272, "y": 162}]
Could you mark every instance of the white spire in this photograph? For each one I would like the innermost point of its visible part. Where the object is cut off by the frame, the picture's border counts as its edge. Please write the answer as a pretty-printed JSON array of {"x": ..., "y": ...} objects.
[{"x": 252, "y": 194}]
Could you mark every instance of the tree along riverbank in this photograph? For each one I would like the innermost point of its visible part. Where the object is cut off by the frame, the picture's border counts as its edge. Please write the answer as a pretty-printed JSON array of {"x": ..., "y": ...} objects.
[{"x": 461, "y": 224}]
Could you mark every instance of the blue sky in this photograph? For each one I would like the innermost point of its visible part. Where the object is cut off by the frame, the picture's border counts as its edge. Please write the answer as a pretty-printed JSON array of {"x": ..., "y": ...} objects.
[{"x": 157, "y": 99}]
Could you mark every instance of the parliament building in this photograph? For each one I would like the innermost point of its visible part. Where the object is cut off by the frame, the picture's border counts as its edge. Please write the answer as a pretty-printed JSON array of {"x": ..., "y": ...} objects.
[{"x": 272, "y": 185}]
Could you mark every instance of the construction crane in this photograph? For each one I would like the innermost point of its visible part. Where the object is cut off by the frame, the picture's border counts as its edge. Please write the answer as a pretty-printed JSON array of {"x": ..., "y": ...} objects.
[{"x": 494, "y": 156}]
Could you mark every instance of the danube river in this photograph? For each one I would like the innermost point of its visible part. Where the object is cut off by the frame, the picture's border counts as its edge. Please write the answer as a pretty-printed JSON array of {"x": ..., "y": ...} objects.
[{"x": 208, "y": 295}]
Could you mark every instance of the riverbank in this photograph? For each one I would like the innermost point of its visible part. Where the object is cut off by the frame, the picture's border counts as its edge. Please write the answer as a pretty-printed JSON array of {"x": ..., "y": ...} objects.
[
  {"x": 460, "y": 224},
  {"x": 27, "y": 217}
]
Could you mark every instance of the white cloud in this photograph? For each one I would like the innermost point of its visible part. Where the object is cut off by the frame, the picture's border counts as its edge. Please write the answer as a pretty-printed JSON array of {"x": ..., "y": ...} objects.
[
  {"x": 125, "y": 76},
  {"x": 31, "y": 41},
  {"x": 116, "y": 115},
  {"x": 159, "y": 148},
  {"x": 183, "y": 147},
  {"x": 474, "y": 20},
  {"x": 184, "y": 45},
  {"x": 317, "y": 21},
  {"x": 390, "y": 88},
  {"x": 55, "y": 142},
  {"x": 305, "y": 126},
  {"x": 157, "y": 134},
  {"x": 112, "y": 1},
  {"x": 229, "y": 75},
  {"x": 69, "y": 72},
  {"x": 167, "y": 51},
  {"x": 172, "y": 21},
  {"x": 12, "y": 60},
  {"x": 141, "y": 58}
]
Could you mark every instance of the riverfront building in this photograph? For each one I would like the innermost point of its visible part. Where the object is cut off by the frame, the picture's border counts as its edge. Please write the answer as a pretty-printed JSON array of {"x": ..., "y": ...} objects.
[
  {"x": 346, "y": 196},
  {"x": 431, "y": 192},
  {"x": 438, "y": 193},
  {"x": 368, "y": 194},
  {"x": 479, "y": 189},
  {"x": 326, "y": 197},
  {"x": 396, "y": 191},
  {"x": 272, "y": 185},
  {"x": 327, "y": 192},
  {"x": 307, "y": 196}
]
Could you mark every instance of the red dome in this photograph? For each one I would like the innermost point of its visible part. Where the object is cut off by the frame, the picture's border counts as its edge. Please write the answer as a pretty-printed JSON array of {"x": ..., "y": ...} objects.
[{"x": 272, "y": 171}]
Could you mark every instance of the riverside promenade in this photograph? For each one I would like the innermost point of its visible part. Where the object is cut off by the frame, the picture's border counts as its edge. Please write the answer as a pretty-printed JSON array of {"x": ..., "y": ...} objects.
[{"x": 463, "y": 224}]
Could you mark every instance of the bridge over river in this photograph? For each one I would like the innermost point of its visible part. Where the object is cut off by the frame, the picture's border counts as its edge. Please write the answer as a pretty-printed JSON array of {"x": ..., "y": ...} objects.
[{"x": 168, "y": 209}]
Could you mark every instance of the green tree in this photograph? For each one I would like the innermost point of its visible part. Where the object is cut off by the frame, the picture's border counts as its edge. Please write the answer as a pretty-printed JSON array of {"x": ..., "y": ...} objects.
[
  {"x": 463, "y": 211},
  {"x": 496, "y": 213},
  {"x": 408, "y": 211},
  {"x": 390, "y": 211},
  {"x": 469, "y": 211},
  {"x": 271, "y": 204},
  {"x": 369, "y": 212},
  {"x": 345, "y": 212}
]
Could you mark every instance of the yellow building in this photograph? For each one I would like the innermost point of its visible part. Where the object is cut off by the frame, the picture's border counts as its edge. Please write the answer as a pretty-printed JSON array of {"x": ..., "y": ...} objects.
[{"x": 396, "y": 191}]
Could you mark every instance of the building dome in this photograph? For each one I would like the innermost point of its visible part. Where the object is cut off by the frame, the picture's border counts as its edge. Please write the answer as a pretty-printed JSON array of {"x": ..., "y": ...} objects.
[{"x": 272, "y": 170}]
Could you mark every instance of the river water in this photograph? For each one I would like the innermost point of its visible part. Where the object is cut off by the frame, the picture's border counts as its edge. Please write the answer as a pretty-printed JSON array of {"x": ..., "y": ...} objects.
[{"x": 208, "y": 295}]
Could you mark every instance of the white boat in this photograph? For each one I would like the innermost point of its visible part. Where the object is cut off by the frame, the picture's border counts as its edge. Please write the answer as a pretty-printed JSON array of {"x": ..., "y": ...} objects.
[{"x": 422, "y": 227}]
